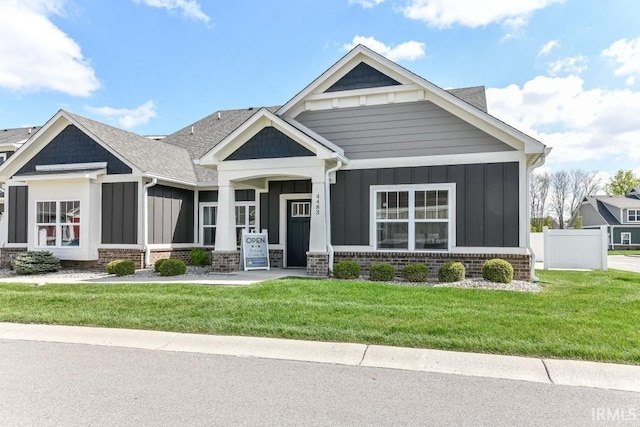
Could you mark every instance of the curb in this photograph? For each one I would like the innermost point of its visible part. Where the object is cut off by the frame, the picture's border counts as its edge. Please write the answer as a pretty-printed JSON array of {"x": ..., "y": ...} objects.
[{"x": 550, "y": 371}]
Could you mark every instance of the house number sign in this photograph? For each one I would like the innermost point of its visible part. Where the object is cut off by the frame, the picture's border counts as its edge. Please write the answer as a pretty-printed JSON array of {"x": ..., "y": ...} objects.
[{"x": 317, "y": 204}]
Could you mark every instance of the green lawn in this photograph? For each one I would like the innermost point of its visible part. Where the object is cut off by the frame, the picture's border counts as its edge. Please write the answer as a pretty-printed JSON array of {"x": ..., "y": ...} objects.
[
  {"x": 580, "y": 315},
  {"x": 624, "y": 252}
]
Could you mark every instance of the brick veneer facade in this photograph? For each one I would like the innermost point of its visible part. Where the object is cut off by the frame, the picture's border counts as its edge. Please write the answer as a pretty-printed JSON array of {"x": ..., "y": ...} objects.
[
  {"x": 275, "y": 258},
  {"x": 225, "y": 262},
  {"x": 318, "y": 264},
  {"x": 472, "y": 262},
  {"x": 8, "y": 254}
]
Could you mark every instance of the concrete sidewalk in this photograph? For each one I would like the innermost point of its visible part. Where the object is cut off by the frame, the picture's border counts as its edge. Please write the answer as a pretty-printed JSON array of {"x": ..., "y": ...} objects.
[{"x": 562, "y": 372}]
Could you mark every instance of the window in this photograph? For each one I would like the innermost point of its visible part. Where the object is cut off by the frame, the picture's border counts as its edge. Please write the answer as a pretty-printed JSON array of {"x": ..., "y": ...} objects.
[
  {"x": 3, "y": 157},
  {"x": 245, "y": 220},
  {"x": 625, "y": 237},
  {"x": 633, "y": 215},
  {"x": 300, "y": 209},
  {"x": 58, "y": 223},
  {"x": 413, "y": 217}
]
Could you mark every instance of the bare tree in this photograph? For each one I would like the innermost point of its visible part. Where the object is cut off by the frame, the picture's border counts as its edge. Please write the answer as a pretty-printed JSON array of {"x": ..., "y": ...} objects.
[
  {"x": 560, "y": 184},
  {"x": 539, "y": 192},
  {"x": 583, "y": 184}
]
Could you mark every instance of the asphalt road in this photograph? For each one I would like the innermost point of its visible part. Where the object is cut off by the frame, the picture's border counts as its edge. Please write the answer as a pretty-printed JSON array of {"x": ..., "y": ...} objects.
[{"x": 51, "y": 384}]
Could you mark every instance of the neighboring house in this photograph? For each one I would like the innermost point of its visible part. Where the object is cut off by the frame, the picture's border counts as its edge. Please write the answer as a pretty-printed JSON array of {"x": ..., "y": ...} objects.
[
  {"x": 369, "y": 162},
  {"x": 10, "y": 141},
  {"x": 621, "y": 215}
]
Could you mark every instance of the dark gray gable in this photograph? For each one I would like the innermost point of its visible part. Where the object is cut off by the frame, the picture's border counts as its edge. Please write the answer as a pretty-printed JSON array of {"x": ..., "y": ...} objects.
[
  {"x": 362, "y": 76},
  {"x": 74, "y": 146},
  {"x": 269, "y": 143}
]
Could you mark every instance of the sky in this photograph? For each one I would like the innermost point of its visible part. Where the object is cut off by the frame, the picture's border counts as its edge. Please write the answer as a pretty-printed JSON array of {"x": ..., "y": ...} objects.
[{"x": 566, "y": 72}]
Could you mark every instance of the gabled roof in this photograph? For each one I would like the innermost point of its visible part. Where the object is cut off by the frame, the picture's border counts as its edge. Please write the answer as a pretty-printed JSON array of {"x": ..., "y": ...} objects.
[
  {"x": 16, "y": 136},
  {"x": 475, "y": 96},
  {"x": 620, "y": 202},
  {"x": 470, "y": 112}
]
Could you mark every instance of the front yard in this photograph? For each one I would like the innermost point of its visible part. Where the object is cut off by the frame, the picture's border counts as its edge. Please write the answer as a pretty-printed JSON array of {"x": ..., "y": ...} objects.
[{"x": 580, "y": 315}]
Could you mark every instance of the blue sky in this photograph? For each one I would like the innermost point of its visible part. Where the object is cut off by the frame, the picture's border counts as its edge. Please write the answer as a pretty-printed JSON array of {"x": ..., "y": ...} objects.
[{"x": 566, "y": 72}]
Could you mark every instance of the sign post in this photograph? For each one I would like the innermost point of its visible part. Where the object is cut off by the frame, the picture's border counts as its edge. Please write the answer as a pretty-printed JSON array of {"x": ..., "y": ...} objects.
[{"x": 255, "y": 251}]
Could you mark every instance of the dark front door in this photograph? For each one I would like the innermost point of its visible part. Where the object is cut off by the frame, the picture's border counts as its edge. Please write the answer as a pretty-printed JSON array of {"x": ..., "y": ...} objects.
[{"x": 298, "y": 225}]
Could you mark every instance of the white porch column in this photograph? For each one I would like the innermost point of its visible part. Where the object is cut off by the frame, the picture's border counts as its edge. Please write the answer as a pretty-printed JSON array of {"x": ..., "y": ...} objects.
[
  {"x": 317, "y": 234},
  {"x": 226, "y": 218}
]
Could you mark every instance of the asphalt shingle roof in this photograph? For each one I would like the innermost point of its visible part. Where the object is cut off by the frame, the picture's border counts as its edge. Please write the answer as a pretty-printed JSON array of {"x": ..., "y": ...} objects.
[
  {"x": 150, "y": 156},
  {"x": 15, "y": 135},
  {"x": 475, "y": 96}
]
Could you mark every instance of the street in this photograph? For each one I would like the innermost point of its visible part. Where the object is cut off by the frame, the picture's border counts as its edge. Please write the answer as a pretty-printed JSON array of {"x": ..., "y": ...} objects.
[{"x": 71, "y": 384}]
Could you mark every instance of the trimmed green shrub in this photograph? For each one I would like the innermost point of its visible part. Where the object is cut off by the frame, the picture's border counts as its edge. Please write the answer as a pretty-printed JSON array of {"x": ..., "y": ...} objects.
[
  {"x": 415, "y": 272},
  {"x": 451, "y": 271},
  {"x": 173, "y": 267},
  {"x": 199, "y": 257},
  {"x": 158, "y": 263},
  {"x": 497, "y": 270},
  {"x": 346, "y": 270},
  {"x": 383, "y": 272},
  {"x": 121, "y": 267},
  {"x": 36, "y": 262}
]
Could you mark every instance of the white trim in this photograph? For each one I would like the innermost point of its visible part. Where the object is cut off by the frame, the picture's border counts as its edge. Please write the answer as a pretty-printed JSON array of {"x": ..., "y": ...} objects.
[
  {"x": 282, "y": 238},
  {"x": 637, "y": 212},
  {"x": 57, "y": 225},
  {"x": 71, "y": 166},
  {"x": 454, "y": 250},
  {"x": 201, "y": 207},
  {"x": 436, "y": 160},
  {"x": 624, "y": 234},
  {"x": 62, "y": 176},
  {"x": 412, "y": 188},
  {"x": 120, "y": 246},
  {"x": 162, "y": 246}
]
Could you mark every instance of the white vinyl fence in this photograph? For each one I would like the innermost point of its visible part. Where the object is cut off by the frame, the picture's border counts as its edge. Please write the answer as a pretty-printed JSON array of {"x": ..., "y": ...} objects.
[{"x": 580, "y": 249}]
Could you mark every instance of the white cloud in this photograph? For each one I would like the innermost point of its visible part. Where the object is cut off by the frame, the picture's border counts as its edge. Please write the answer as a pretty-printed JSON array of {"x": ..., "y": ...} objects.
[
  {"x": 367, "y": 4},
  {"x": 627, "y": 54},
  {"x": 579, "y": 124},
  {"x": 127, "y": 118},
  {"x": 569, "y": 65},
  {"x": 548, "y": 47},
  {"x": 407, "y": 51},
  {"x": 189, "y": 8},
  {"x": 37, "y": 55},
  {"x": 477, "y": 13}
]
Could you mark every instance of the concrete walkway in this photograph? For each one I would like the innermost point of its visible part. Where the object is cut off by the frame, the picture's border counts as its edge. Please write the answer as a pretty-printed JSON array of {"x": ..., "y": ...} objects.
[
  {"x": 562, "y": 372},
  {"x": 624, "y": 262}
]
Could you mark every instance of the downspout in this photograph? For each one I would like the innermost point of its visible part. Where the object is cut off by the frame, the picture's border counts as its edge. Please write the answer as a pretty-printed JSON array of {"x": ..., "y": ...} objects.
[
  {"x": 145, "y": 208},
  {"x": 327, "y": 210},
  {"x": 539, "y": 162}
]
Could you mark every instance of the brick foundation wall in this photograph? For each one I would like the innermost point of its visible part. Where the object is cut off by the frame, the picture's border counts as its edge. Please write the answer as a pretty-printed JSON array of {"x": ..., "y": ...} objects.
[
  {"x": 105, "y": 256},
  {"x": 275, "y": 258},
  {"x": 7, "y": 254},
  {"x": 472, "y": 262},
  {"x": 318, "y": 264},
  {"x": 225, "y": 262}
]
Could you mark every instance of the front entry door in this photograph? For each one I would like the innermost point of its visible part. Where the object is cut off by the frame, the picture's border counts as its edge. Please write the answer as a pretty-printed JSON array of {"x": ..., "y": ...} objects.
[{"x": 298, "y": 226}]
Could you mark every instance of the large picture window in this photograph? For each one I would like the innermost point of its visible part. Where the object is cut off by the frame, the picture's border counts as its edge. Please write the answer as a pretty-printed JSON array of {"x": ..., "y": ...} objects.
[
  {"x": 58, "y": 223},
  {"x": 413, "y": 217}
]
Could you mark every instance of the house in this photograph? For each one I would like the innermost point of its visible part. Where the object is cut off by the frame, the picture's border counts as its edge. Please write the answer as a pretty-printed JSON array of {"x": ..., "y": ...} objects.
[
  {"x": 369, "y": 162},
  {"x": 620, "y": 214},
  {"x": 10, "y": 141}
]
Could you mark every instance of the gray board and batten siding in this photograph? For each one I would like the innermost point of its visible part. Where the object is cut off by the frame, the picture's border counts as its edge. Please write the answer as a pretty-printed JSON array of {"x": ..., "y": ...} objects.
[
  {"x": 17, "y": 207},
  {"x": 486, "y": 205},
  {"x": 269, "y": 143},
  {"x": 399, "y": 130},
  {"x": 170, "y": 215},
  {"x": 74, "y": 146},
  {"x": 270, "y": 204},
  {"x": 120, "y": 213},
  {"x": 211, "y": 196}
]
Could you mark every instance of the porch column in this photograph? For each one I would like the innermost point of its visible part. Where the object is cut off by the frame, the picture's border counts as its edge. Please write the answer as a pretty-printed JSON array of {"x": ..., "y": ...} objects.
[
  {"x": 317, "y": 234},
  {"x": 226, "y": 218}
]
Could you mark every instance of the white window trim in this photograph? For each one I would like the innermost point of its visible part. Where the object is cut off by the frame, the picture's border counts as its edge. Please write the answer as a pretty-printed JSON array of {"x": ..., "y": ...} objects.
[
  {"x": 247, "y": 226},
  {"x": 451, "y": 230},
  {"x": 637, "y": 211},
  {"x": 624, "y": 234},
  {"x": 58, "y": 225}
]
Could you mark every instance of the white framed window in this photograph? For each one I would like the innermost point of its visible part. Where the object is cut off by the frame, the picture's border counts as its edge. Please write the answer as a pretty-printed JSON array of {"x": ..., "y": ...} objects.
[
  {"x": 58, "y": 223},
  {"x": 245, "y": 213},
  {"x": 625, "y": 238},
  {"x": 633, "y": 215},
  {"x": 413, "y": 217},
  {"x": 300, "y": 209}
]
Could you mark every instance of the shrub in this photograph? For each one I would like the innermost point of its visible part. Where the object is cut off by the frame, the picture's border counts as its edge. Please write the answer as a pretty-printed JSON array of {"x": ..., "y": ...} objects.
[
  {"x": 415, "y": 272},
  {"x": 346, "y": 270},
  {"x": 173, "y": 267},
  {"x": 383, "y": 272},
  {"x": 451, "y": 271},
  {"x": 121, "y": 267},
  {"x": 36, "y": 262},
  {"x": 158, "y": 263},
  {"x": 497, "y": 270},
  {"x": 199, "y": 257}
]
